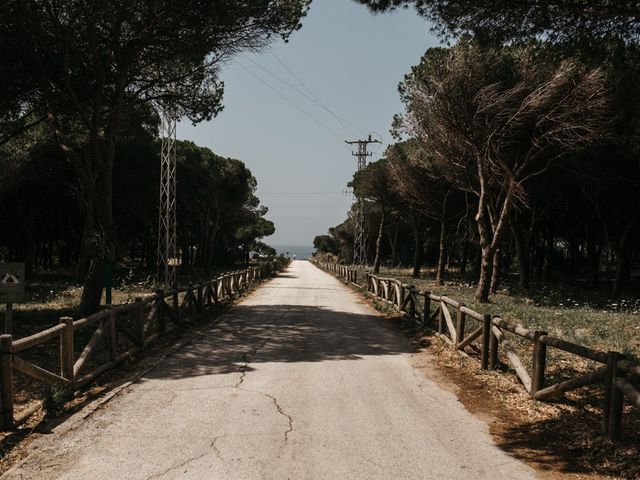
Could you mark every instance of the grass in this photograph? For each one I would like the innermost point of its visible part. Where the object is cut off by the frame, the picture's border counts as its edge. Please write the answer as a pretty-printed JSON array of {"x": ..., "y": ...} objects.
[
  {"x": 563, "y": 310},
  {"x": 50, "y": 296}
]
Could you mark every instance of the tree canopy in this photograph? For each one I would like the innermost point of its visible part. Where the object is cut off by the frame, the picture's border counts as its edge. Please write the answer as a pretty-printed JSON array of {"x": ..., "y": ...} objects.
[
  {"x": 219, "y": 214},
  {"x": 581, "y": 21},
  {"x": 84, "y": 67},
  {"x": 511, "y": 155}
]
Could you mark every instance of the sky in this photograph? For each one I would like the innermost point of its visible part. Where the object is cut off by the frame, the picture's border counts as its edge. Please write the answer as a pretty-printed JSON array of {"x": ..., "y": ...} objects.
[{"x": 341, "y": 71}]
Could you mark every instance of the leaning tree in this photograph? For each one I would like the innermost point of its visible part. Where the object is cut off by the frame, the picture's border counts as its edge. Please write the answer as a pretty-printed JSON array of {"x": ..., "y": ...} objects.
[
  {"x": 495, "y": 119},
  {"x": 81, "y": 66}
]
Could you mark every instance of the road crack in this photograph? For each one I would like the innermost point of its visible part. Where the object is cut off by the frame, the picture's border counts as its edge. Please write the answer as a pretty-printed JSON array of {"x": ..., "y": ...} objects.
[
  {"x": 283, "y": 413},
  {"x": 215, "y": 446},
  {"x": 247, "y": 359},
  {"x": 177, "y": 466}
]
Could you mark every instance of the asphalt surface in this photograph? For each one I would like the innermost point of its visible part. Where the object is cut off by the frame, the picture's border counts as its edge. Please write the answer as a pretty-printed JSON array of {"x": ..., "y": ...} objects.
[{"x": 301, "y": 380}]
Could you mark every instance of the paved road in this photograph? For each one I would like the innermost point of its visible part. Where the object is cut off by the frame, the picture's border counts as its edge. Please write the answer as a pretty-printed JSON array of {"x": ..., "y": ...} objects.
[{"x": 299, "y": 381}]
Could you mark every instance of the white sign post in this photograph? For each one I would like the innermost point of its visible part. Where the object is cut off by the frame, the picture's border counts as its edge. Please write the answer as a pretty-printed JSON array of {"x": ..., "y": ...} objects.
[{"x": 11, "y": 290}]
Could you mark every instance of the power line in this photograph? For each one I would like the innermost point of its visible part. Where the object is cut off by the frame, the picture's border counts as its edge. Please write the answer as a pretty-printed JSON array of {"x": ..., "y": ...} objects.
[
  {"x": 313, "y": 98},
  {"x": 330, "y": 130},
  {"x": 296, "y": 207},
  {"x": 296, "y": 89},
  {"x": 320, "y": 102},
  {"x": 300, "y": 193}
]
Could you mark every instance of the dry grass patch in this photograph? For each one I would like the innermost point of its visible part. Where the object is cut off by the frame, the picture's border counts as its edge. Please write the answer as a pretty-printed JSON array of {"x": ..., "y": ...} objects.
[{"x": 579, "y": 316}]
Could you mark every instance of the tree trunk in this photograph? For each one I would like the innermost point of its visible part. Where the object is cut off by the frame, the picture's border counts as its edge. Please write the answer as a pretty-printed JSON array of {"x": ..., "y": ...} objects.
[
  {"x": 464, "y": 258},
  {"x": 495, "y": 274},
  {"x": 594, "y": 252},
  {"x": 574, "y": 254},
  {"x": 96, "y": 250},
  {"x": 393, "y": 242},
  {"x": 477, "y": 262},
  {"x": 30, "y": 241},
  {"x": 522, "y": 253},
  {"x": 623, "y": 266},
  {"x": 418, "y": 244},
  {"x": 418, "y": 257},
  {"x": 442, "y": 257},
  {"x": 491, "y": 230},
  {"x": 98, "y": 234},
  {"x": 484, "y": 283},
  {"x": 378, "y": 258},
  {"x": 548, "y": 256},
  {"x": 211, "y": 249}
]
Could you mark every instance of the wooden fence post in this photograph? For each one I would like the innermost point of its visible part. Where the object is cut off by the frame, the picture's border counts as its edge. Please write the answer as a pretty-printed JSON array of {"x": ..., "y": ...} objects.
[
  {"x": 200, "y": 298},
  {"x": 66, "y": 348},
  {"x": 460, "y": 326},
  {"x": 139, "y": 321},
  {"x": 426, "y": 310},
  {"x": 176, "y": 304},
  {"x": 493, "y": 347},
  {"x": 441, "y": 319},
  {"x": 614, "y": 399},
  {"x": 216, "y": 284},
  {"x": 539, "y": 363},
  {"x": 190, "y": 300},
  {"x": 8, "y": 318},
  {"x": 411, "y": 304},
  {"x": 162, "y": 328},
  {"x": 486, "y": 340},
  {"x": 112, "y": 339},
  {"x": 6, "y": 380}
]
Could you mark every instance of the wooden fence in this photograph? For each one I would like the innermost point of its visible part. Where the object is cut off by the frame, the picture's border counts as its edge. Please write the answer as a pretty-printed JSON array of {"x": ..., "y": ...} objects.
[
  {"x": 118, "y": 333},
  {"x": 488, "y": 337},
  {"x": 349, "y": 274}
]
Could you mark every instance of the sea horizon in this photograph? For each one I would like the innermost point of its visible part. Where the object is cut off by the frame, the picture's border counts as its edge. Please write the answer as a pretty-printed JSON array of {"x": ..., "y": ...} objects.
[{"x": 301, "y": 252}]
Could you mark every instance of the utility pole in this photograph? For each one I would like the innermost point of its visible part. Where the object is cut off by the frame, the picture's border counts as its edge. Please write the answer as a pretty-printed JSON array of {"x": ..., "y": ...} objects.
[
  {"x": 360, "y": 241},
  {"x": 167, "y": 253}
]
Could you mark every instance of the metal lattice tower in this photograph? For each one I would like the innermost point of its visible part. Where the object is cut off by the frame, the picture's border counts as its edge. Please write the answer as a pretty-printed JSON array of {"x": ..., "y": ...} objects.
[
  {"x": 360, "y": 238},
  {"x": 167, "y": 253}
]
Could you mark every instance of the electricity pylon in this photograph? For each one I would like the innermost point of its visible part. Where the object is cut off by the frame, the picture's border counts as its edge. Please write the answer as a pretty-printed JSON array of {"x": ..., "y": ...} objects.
[
  {"x": 167, "y": 253},
  {"x": 360, "y": 240}
]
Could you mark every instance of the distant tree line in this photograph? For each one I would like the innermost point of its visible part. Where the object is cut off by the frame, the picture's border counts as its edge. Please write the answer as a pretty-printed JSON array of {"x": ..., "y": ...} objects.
[
  {"x": 220, "y": 218},
  {"x": 511, "y": 157}
]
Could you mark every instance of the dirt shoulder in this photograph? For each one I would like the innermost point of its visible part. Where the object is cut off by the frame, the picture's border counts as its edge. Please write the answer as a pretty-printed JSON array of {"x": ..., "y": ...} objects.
[{"x": 560, "y": 439}]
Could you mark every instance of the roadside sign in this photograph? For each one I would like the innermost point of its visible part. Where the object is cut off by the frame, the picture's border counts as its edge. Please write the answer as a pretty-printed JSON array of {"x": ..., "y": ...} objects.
[{"x": 12, "y": 282}]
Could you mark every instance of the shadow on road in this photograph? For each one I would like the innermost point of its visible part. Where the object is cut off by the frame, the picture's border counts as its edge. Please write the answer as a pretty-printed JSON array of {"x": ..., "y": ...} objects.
[{"x": 282, "y": 333}]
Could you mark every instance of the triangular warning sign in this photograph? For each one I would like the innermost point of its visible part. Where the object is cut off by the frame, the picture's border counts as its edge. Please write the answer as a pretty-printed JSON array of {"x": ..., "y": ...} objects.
[{"x": 10, "y": 279}]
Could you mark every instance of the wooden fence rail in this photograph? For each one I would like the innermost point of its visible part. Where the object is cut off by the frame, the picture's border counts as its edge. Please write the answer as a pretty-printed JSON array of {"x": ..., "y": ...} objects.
[
  {"x": 449, "y": 318},
  {"x": 119, "y": 332}
]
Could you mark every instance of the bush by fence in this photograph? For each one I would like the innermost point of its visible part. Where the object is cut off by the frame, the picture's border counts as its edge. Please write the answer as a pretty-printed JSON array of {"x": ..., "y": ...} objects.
[{"x": 489, "y": 336}]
